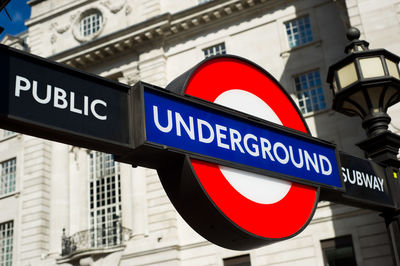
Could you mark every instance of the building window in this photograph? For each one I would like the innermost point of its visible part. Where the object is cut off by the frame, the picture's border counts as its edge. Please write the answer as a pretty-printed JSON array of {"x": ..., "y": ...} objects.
[
  {"x": 309, "y": 92},
  {"x": 218, "y": 49},
  {"x": 8, "y": 133},
  {"x": 8, "y": 176},
  {"x": 338, "y": 251},
  {"x": 243, "y": 260},
  {"x": 91, "y": 23},
  {"x": 6, "y": 243},
  {"x": 105, "y": 200},
  {"x": 299, "y": 31}
]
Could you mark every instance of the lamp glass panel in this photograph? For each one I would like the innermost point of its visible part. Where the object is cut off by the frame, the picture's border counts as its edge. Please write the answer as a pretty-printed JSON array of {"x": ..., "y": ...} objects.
[
  {"x": 371, "y": 67},
  {"x": 374, "y": 95},
  {"x": 359, "y": 48},
  {"x": 347, "y": 75},
  {"x": 393, "y": 68},
  {"x": 351, "y": 108},
  {"x": 389, "y": 96},
  {"x": 359, "y": 98}
]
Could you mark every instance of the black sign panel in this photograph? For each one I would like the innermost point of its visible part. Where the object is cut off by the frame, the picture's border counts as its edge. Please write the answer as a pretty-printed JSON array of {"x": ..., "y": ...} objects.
[
  {"x": 57, "y": 100},
  {"x": 365, "y": 183}
]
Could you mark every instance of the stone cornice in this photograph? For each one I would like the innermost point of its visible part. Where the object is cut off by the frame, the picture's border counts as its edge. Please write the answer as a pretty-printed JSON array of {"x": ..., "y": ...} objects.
[
  {"x": 158, "y": 28},
  {"x": 49, "y": 14}
]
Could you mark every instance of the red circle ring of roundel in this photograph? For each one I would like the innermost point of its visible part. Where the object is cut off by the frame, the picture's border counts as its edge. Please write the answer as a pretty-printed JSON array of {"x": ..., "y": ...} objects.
[{"x": 279, "y": 220}]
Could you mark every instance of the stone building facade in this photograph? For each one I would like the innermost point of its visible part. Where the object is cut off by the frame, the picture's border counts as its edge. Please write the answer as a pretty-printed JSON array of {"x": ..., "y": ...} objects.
[{"x": 65, "y": 205}]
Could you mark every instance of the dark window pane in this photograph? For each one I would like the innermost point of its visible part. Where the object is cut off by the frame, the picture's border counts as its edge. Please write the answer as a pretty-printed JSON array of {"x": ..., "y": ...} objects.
[
  {"x": 338, "y": 251},
  {"x": 238, "y": 261}
]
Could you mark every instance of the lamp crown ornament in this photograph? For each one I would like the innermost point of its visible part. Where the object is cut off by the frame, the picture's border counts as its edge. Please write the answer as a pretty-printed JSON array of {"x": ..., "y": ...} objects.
[{"x": 355, "y": 45}]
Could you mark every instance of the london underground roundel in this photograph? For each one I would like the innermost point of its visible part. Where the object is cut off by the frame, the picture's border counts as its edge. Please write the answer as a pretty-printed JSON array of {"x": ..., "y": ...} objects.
[{"x": 230, "y": 207}]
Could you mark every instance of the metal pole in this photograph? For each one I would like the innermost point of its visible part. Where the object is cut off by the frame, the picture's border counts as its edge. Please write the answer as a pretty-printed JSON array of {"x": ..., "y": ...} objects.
[
  {"x": 392, "y": 221},
  {"x": 383, "y": 149}
]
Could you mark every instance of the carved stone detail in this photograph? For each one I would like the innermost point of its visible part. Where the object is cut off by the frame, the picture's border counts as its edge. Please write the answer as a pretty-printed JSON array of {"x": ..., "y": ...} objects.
[
  {"x": 128, "y": 10},
  {"x": 114, "y": 6},
  {"x": 74, "y": 150},
  {"x": 60, "y": 29},
  {"x": 130, "y": 76},
  {"x": 53, "y": 38}
]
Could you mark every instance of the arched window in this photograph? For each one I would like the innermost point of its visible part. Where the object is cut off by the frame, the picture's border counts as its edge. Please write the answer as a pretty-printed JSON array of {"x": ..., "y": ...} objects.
[{"x": 90, "y": 24}]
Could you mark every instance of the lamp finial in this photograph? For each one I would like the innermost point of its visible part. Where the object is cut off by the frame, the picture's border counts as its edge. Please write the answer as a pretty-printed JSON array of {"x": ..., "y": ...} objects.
[{"x": 353, "y": 34}]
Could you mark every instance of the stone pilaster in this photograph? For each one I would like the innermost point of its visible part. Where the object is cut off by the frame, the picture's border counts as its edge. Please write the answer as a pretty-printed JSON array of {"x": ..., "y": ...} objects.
[
  {"x": 35, "y": 197},
  {"x": 153, "y": 67}
]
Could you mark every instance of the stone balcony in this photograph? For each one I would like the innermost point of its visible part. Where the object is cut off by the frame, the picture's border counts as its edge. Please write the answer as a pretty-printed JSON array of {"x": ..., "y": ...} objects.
[{"x": 94, "y": 241}]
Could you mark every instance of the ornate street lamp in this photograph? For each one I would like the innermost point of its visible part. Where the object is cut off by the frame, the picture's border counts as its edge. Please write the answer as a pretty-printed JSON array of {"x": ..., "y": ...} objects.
[{"x": 366, "y": 83}]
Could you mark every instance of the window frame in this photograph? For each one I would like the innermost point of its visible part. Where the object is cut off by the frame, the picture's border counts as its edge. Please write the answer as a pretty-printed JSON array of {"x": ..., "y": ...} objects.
[
  {"x": 237, "y": 260},
  {"x": 310, "y": 89},
  {"x": 104, "y": 219},
  {"x": 8, "y": 240},
  {"x": 336, "y": 243},
  {"x": 6, "y": 134},
  {"x": 297, "y": 20},
  {"x": 90, "y": 24},
  {"x": 283, "y": 39},
  {"x": 4, "y": 187},
  {"x": 200, "y": 2},
  {"x": 77, "y": 25},
  {"x": 213, "y": 49}
]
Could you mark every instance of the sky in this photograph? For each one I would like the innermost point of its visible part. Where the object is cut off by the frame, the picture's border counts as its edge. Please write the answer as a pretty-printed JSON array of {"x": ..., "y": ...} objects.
[{"x": 19, "y": 12}]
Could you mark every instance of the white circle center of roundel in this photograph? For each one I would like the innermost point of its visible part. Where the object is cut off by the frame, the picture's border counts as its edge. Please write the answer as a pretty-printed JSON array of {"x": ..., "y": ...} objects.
[{"x": 258, "y": 188}]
